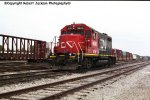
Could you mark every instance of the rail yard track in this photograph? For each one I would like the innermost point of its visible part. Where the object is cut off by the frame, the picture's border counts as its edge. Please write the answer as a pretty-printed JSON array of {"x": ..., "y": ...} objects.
[
  {"x": 59, "y": 89},
  {"x": 26, "y": 76},
  {"x": 13, "y": 66}
]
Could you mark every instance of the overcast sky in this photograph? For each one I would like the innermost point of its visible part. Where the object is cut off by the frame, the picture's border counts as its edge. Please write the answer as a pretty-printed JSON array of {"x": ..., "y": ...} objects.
[{"x": 127, "y": 22}]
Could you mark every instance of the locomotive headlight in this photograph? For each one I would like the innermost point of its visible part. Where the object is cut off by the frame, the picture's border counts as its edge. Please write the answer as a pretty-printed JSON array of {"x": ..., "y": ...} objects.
[
  {"x": 70, "y": 54},
  {"x": 80, "y": 28}
]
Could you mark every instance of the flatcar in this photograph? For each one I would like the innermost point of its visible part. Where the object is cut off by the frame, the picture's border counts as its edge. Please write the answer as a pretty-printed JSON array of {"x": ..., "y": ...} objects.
[{"x": 81, "y": 46}]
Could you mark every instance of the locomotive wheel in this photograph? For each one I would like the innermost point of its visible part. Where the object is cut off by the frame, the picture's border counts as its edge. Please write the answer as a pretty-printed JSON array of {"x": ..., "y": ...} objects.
[
  {"x": 60, "y": 61},
  {"x": 87, "y": 63}
]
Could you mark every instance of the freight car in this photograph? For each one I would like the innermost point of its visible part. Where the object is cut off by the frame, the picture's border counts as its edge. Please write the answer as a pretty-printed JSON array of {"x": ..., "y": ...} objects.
[
  {"x": 122, "y": 56},
  {"x": 81, "y": 46},
  {"x": 136, "y": 57},
  {"x": 118, "y": 54},
  {"x": 19, "y": 48}
]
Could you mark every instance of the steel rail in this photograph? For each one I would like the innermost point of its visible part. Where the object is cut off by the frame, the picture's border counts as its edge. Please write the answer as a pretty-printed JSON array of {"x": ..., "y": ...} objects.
[
  {"x": 23, "y": 73},
  {"x": 28, "y": 74},
  {"x": 8, "y": 79},
  {"x": 63, "y": 93},
  {"x": 24, "y": 76},
  {"x": 22, "y": 91}
]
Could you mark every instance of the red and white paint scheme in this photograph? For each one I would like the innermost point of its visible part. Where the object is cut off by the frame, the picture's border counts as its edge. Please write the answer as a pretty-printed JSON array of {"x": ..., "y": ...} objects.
[{"x": 76, "y": 38}]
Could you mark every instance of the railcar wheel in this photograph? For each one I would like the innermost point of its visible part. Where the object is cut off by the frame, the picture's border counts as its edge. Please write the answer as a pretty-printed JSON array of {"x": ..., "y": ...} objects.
[{"x": 87, "y": 63}]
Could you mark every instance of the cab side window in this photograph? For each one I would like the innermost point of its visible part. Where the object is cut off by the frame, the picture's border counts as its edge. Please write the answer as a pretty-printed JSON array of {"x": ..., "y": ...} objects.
[
  {"x": 94, "y": 36},
  {"x": 88, "y": 34}
]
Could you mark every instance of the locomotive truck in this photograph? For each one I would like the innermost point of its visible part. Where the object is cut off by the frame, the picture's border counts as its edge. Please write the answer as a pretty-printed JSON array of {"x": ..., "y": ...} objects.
[{"x": 81, "y": 46}]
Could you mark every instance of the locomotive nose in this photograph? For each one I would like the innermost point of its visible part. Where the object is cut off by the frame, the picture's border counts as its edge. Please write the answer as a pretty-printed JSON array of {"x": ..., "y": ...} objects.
[
  {"x": 63, "y": 45},
  {"x": 71, "y": 43}
]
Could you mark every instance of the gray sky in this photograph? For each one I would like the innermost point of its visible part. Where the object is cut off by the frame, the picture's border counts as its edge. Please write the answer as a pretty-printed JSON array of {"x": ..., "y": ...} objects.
[{"x": 127, "y": 22}]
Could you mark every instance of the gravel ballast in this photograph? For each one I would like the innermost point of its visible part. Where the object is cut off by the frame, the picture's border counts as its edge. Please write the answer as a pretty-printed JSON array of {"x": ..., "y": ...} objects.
[
  {"x": 42, "y": 81},
  {"x": 135, "y": 86}
]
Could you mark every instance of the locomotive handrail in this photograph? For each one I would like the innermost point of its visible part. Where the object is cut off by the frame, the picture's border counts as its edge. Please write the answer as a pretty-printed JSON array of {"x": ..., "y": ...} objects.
[
  {"x": 81, "y": 50},
  {"x": 77, "y": 50}
]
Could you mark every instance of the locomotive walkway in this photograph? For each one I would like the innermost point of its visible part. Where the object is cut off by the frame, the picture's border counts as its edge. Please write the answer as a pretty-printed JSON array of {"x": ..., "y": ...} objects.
[{"x": 59, "y": 89}]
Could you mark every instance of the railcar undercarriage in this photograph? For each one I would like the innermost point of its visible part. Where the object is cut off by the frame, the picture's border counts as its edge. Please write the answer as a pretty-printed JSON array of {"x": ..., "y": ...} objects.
[{"x": 67, "y": 62}]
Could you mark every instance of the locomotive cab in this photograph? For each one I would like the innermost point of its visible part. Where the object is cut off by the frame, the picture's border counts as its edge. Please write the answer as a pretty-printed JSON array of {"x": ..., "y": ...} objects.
[{"x": 76, "y": 38}]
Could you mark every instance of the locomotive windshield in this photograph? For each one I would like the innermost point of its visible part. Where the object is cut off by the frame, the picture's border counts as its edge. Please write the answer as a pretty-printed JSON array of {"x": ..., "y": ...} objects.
[{"x": 76, "y": 32}]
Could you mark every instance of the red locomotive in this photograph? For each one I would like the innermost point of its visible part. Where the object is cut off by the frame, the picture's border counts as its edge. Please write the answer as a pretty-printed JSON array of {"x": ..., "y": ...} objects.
[{"x": 82, "y": 45}]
